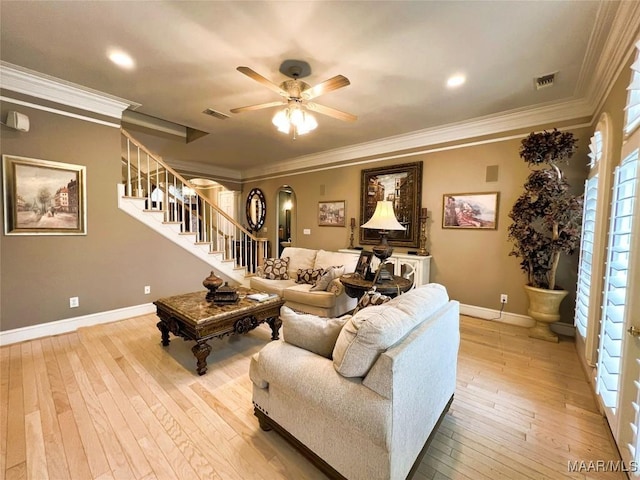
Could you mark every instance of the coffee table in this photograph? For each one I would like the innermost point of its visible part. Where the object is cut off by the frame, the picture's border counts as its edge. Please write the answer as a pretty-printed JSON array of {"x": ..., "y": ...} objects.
[{"x": 192, "y": 317}]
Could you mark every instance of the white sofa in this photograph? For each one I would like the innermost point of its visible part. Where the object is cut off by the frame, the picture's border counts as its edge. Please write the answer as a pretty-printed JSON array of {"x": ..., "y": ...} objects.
[
  {"x": 368, "y": 412},
  {"x": 330, "y": 303}
]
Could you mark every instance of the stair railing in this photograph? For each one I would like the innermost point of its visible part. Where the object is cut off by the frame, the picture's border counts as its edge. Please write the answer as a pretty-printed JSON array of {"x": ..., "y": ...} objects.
[{"x": 145, "y": 175}]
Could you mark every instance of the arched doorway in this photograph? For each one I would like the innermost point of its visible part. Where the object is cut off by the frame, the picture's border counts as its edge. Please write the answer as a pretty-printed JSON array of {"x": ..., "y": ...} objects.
[{"x": 285, "y": 217}]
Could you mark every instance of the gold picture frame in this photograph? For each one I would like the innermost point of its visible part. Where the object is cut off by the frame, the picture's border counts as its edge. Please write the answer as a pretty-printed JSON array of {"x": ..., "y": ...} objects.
[
  {"x": 401, "y": 184},
  {"x": 43, "y": 197}
]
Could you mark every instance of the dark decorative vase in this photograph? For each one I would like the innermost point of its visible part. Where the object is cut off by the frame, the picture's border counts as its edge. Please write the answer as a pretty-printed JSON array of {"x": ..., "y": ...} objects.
[{"x": 212, "y": 283}]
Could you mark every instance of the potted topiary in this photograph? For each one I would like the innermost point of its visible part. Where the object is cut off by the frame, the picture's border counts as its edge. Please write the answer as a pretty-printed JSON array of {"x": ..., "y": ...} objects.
[{"x": 547, "y": 220}]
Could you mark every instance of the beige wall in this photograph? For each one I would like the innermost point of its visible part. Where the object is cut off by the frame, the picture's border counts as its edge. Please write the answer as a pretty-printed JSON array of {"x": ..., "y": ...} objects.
[
  {"x": 475, "y": 266},
  {"x": 109, "y": 267}
]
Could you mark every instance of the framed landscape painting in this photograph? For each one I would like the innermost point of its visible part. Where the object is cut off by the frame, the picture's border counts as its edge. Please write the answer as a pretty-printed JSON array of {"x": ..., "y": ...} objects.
[
  {"x": 476, "y": 211},
  {"x": 331, "y": 214},
  {"x": 402, "y": 185},
  {"x": 43, "y": 197}
]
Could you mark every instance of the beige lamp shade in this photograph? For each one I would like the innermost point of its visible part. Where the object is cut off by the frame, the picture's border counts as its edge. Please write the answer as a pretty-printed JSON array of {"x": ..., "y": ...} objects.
[{"x": 383, "y": 218}]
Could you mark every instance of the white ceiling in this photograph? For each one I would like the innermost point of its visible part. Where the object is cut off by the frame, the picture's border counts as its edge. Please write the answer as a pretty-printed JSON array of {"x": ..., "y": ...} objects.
[{"x": 397, "y": 55}]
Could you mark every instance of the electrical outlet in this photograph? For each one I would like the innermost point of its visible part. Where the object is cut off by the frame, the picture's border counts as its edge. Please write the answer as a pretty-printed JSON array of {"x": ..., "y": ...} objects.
[
  {"x": 74, "y": 302},
  {"x": 306, "y": 231},
  {"x": 147, "y": 290},
  {"x": 504, "y": 298}
]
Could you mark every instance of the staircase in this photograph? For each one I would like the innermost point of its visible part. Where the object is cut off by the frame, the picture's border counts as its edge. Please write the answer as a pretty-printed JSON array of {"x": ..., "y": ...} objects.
[{"x": 155, "y": 194}]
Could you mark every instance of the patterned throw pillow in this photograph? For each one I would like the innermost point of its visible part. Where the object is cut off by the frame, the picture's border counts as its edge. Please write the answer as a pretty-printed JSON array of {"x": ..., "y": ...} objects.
[
  {"x": 371, "y": 298},
  {"x": 325, "y": 280},
  {"x": 276, "y": 268},
  {"x": 309, "y": 275}
]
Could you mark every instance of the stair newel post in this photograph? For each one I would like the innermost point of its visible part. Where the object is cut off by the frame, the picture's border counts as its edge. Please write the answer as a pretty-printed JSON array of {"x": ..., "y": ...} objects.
[{"x": 261, "y": 252}]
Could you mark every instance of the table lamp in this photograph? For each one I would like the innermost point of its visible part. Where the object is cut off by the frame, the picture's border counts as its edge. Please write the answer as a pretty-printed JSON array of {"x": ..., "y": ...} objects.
[{"x": 384, "y": 220}]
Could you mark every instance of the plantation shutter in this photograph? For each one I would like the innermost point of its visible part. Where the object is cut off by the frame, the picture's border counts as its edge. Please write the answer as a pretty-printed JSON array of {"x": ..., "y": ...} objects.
[
  {"x": 586, "y": 255},
  {"x": 616, "y": 280},
  {"x": 632, "y": 120}
]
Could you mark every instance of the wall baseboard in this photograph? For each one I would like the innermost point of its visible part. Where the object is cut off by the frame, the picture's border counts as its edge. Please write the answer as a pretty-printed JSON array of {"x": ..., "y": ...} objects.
[
  {"x": 72, "y": 324},
  {"x": 513, "y": 319}
]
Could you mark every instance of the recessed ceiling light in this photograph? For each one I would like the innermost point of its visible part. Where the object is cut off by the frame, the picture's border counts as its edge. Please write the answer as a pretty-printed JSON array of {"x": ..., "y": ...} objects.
[
  {"x": 121, "y": 59},
  {"x": 455, "y": 81}
]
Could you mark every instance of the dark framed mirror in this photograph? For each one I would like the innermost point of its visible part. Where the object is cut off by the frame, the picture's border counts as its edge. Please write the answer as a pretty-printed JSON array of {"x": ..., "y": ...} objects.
[{"x": 256, "y": 209}]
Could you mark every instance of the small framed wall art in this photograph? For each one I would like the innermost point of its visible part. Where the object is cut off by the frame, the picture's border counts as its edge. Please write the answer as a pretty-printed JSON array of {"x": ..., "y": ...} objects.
[
  {"x": 331, "y": 214},
  {"x": 475, "y": 211},
  {"x": 42, "y": 197}
]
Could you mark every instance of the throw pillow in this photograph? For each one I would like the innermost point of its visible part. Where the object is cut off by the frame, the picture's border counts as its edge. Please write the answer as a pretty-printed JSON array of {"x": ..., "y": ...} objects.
[
  {"x": 309, "y": 275},
  {"x": 322, "y": 284},
  {"x": 312, "y": 333},
  {"x": 276, "y": 268},
  {"x": 371, "y": 298}
]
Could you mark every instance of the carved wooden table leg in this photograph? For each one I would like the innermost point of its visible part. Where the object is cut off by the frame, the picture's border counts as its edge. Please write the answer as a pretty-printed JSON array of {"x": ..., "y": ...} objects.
[
  {"x": 275, "y": 323},
  {"x": 164, "y": 331},
  {"x": 201, "y": 351}
]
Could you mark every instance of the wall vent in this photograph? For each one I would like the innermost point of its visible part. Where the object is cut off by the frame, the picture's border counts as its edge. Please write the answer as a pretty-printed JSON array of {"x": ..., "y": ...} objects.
[
  {"x": 215, "y": 113},
  {"x": 545, "y": 81}
]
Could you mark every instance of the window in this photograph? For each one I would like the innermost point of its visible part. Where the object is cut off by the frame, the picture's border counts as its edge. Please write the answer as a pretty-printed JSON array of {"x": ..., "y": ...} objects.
[
  {"x": 632, "y": 110},
  {"x": 586, "y": 256},
  {"x": 615, "y": 291}
]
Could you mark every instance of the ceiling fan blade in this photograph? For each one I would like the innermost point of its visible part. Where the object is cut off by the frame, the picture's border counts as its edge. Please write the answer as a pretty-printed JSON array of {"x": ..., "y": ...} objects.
[
  {"x": 259, "y": 106},
  {"x": 327, "y": 86},
  {"x": 264, "y": 81},
  {"x": 331, "y": 112}
]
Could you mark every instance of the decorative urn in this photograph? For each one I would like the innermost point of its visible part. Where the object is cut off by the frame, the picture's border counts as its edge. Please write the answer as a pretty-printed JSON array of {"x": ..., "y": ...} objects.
[{"x": 212, "y": 283}]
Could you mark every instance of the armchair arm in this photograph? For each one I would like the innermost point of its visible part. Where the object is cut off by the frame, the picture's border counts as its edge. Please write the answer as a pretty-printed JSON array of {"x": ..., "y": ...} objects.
[{"x": 336, "y": 287}]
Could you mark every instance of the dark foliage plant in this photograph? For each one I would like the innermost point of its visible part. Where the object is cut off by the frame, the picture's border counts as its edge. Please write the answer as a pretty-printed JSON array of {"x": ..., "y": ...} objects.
[{"x": 547, "y": 217}]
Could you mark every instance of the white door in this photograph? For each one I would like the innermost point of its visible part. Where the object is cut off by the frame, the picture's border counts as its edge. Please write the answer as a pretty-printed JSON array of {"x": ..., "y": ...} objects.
[{"x": 618, "y": 372}]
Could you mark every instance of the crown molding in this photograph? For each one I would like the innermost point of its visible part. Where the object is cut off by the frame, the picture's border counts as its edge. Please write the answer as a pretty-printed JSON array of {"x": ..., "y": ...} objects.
[
  {"x": 619, "y": 45},
  {"x": 624, "y": 21},
  {"x": 489, "y": 125},
  {"x": 22, "y": 80},
  {"x": 602, "y": 29},
  {"x": 206, "y": 169}
]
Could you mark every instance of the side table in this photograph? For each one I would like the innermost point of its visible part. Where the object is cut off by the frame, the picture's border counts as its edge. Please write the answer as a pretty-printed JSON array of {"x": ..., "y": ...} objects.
[{"x": 356, "y": 286}]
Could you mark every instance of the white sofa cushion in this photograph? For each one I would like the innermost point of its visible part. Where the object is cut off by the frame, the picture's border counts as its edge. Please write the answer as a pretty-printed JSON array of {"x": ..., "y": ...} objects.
[
  {"x": 301, "y": 293},
  {"x": 374, "y": 329},
  {"x": 271, "y": 286},
  {"x": 325, "y": 259},
  {"x": 298, "y": 258},
  {"x": 313, "y": 333}
]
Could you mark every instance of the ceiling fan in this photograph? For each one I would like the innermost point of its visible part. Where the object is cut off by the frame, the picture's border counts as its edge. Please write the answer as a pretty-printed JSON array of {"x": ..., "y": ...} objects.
[{"x": 297, "y": 95}]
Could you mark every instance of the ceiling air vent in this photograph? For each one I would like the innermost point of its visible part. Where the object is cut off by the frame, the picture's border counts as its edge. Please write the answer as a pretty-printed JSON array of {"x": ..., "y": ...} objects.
[
  {"x": 215, "y": 113},
  {"x": 545, "y": 81}
]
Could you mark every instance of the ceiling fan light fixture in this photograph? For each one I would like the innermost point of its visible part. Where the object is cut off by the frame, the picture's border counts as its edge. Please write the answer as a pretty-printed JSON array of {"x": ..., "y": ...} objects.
[{"x": 296, "y": 118}]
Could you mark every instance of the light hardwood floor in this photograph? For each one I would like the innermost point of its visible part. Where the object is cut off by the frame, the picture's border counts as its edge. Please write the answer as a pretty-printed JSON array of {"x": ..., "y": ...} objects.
[{"x": 109, "y": 402}]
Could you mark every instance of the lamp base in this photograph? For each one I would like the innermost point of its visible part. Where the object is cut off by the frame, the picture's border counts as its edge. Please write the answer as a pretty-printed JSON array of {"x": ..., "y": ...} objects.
[
  {"x": 382, "y": 251},
  {"x": 382, "y": 275}
]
